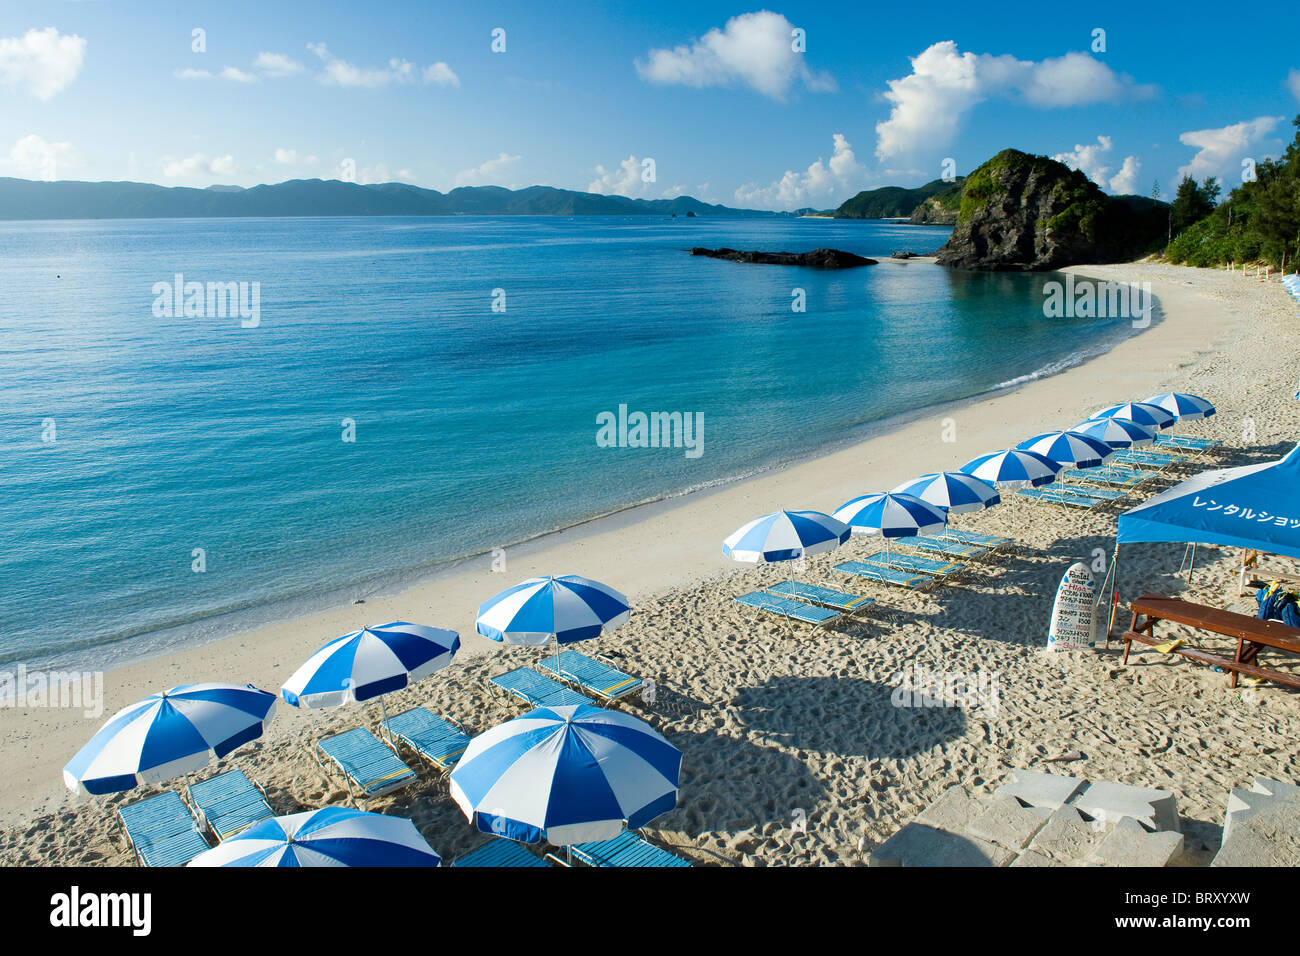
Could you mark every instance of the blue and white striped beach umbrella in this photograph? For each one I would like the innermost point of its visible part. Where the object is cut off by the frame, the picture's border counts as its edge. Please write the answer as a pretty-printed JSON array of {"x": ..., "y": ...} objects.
[
  {"x": 567, "y": 608},
  {"x": 954, "y": 491},
  {"x": 572, "y": 774},
  {"x": 1012, "y": 468},
  {"x": 785, "y": 536},
  {"x": 891, "y": 515},
  {"x": 1117, "y": 432},
  {"x": 1069, "y": 449},
  {"x": 1185, "y": 408},
  {"x": 1144, "y": 413},
  {"x": 166, "y": 735},
  {"x": 370, "y": 662},
  {"x": 332, "y": 836}
]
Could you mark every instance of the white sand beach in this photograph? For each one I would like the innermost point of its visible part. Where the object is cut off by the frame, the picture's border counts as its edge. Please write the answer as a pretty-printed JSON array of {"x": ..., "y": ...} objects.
[{"x": 778, "y": 726}]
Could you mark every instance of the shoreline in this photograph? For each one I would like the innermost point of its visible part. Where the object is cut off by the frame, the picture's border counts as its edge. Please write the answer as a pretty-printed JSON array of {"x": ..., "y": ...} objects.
[
  {"x": 647, "y": 550},
  {"x": 162, "y": 642}
]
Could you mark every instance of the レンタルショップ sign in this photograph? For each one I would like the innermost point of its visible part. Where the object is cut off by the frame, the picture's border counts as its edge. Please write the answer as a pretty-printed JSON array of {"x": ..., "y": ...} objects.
[{"x": 1073, "y": 612}]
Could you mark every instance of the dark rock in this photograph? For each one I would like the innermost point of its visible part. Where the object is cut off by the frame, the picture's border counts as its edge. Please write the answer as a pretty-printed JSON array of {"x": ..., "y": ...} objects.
[
  {"x": 817, "y": 259},
  {"x": 903, "y": 255},
  {"x": 1022, "y": 212}
]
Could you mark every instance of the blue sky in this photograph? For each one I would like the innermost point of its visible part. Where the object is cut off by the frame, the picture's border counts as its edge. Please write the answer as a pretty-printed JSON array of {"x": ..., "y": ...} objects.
[{"x": 585, "y": 93}]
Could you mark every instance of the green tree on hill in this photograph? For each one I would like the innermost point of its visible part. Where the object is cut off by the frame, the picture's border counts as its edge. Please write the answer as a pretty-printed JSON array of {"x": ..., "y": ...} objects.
[{"x": 1259, "y": 220}]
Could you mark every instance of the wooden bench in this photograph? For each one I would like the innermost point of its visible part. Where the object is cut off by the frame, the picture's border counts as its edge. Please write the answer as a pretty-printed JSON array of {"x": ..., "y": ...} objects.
[{"x": 1251, "y": 635}]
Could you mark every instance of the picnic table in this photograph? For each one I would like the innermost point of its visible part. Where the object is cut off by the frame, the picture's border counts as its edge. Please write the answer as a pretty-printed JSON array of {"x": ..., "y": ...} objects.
[{"x": 1251, "y": 634}]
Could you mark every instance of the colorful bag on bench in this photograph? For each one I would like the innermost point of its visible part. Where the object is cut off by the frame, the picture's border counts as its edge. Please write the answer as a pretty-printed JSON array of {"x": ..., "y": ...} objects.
[{"x": 1276, "y": 604}]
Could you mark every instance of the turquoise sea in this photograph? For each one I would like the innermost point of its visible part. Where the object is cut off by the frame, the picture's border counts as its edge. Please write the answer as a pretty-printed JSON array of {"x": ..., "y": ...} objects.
[{"x": 136, "y": 442}]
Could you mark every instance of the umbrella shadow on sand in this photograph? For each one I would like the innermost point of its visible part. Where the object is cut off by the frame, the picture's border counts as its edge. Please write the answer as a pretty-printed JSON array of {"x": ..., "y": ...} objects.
[{"x": 848, "y": 717}]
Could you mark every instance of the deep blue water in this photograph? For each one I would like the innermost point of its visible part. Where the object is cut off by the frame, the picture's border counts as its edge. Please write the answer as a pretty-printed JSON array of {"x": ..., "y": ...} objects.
[{"x": 473, "y": 428}]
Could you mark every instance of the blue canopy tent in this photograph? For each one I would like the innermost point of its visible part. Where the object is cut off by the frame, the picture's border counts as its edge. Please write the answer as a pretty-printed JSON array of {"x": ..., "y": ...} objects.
[{"x": 1255, "y": 507}]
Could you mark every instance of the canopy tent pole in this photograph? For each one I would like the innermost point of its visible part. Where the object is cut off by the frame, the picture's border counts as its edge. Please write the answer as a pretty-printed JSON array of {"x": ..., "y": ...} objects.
[{"x": 1113, "y": 576}]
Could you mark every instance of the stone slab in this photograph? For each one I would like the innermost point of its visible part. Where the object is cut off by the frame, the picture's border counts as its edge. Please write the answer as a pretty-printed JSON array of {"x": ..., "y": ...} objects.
[
  {"x": 918, "y": 845},
  {"x": 1035, "y": 789},
  {"x": 1131, "y": 844},
  {"x": 1110, "y": 802}
]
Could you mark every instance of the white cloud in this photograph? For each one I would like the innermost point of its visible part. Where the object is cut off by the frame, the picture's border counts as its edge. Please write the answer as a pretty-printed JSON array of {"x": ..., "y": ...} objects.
[
  {"x": 342, "y": 73},
  {"x": 1124, "y": 182},
  {"x": 199, "y": 166},
  {"x": 625, "y": 180},
  {"x": 930, "y": 102},
  {"x": 441, "y": 74},
  {"x": 191, "y": 74},
  {"x": 753, "y": 49},
  {"x": 290, "y": 157},
  {"x": 489, "y": 173},
  {"x": 1093, "y": 161},
  {"x": 821, "y": 184},
  {"x": 43, "y": 62},
  {"x": 1293, "y": 83},
  {"x": 276, "y": 64},
  {"x": 34, "y": 158},
  {"x": 1219, "y": 152},
  {"x": 238, "y": 75}
]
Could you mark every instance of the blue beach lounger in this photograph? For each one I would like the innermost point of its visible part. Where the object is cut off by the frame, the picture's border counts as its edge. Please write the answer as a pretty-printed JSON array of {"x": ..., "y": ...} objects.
[
  {"x": 826, "y": 597},
  {"x": 625, "y": 850},
  {"x": 162, "y": 830},
  {"x": 913, "y": 564},
  {"x": 789, "y": 608},
  {"x": 367, "y": 765},
  {"x": 501, "y": 852},
  {"x": 885, "y": 575},
  {"x": 949, "y": 549},
  {"x": 537, "y": 690},
  {"x": 1109, "y": 475},
  {"x": 1075, "y": 496},
  {"x": 1142, "y": 458},
  {"x": 1189, "y": 444},
  {"x": 595, "y": 676},
  {"x": 229, "y": 803},
  {"x": 992, "y": 541},
  {"x": 439, "y": 741}
]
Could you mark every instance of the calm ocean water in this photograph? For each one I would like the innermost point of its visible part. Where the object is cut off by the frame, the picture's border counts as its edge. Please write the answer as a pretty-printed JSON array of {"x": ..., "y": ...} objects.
[{"x": 130, "y": 439}]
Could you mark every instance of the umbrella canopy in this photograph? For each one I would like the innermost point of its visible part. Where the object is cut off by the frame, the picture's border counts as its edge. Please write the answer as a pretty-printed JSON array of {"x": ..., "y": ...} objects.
[
  {"x": 1144, "y": 413},
  {"x": 785, "y": 536},
  {"x": 370, "y": 662},
  {"x": 333, "y": 836},
  {"x": 1013, "y": 468},
  {"x": 1117, "y": 432},
  {"x": 572, "y": 774},
  {"x": 1185, "y": 408},
  {"x": 1069, "y": 449},
  {"x": 166, "y": 735},
  {"x": 1250, "y": 507},
  {"x": 567, "y": 608},
  {"x": 954, "y": 491},
  {"x": 891, "y": 515}
]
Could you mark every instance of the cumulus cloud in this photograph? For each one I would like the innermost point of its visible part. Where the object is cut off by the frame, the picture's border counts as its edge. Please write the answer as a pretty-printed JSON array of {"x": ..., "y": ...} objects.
[
  {"x": 753, "y": 49},
  {"x": 276, "y": 65},
  {"x": 1125, "y": 182},
  {"x": 1220, "y": 151},
  {"x": 34, "y": 158},
  {"x": 821, "y": 184},
  {"x": 490, "y": 173},
  {"x": 199, "y": 166},
  {"x": 339, "y": 72},
  {"x": 238, "y": 75},
  {"x": 290, "y": 157},
  {"x": 930, "y": 102},
  {"x": 42, "y": 62},
  {"x": 623, "y": 180},
  {"x": 441, "y": 74}
]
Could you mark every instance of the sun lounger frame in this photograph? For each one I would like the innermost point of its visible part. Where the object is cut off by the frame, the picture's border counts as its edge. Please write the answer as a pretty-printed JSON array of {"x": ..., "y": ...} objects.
[
  {"x": 581, "y": 671},
  {"x": 363, "y": 791},
  {"x": 161, "y": 830},
  {"x": 228, "y": 803},
  {"x": 626, "y": 850},
  {"x": 523, "y": 683},
  {"x": 823, "y": 595},
  {"x": 441, "y": 741},
  {"x": 789, "y": 610},
  {"x": 885, "y": 575},
  {"x": 501, "y": 853}
]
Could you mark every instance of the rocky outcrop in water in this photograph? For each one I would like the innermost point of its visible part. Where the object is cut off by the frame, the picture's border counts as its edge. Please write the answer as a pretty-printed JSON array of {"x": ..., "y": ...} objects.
[
  {"x": 817, "y": 259},
  {"x": 1022, "y": 212}
]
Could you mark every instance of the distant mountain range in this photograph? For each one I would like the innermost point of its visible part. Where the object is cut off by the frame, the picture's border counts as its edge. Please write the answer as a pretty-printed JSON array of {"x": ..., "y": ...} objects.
[
  {"x": 28, "y": 199},
  {"x": 935, "y": 202}
]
